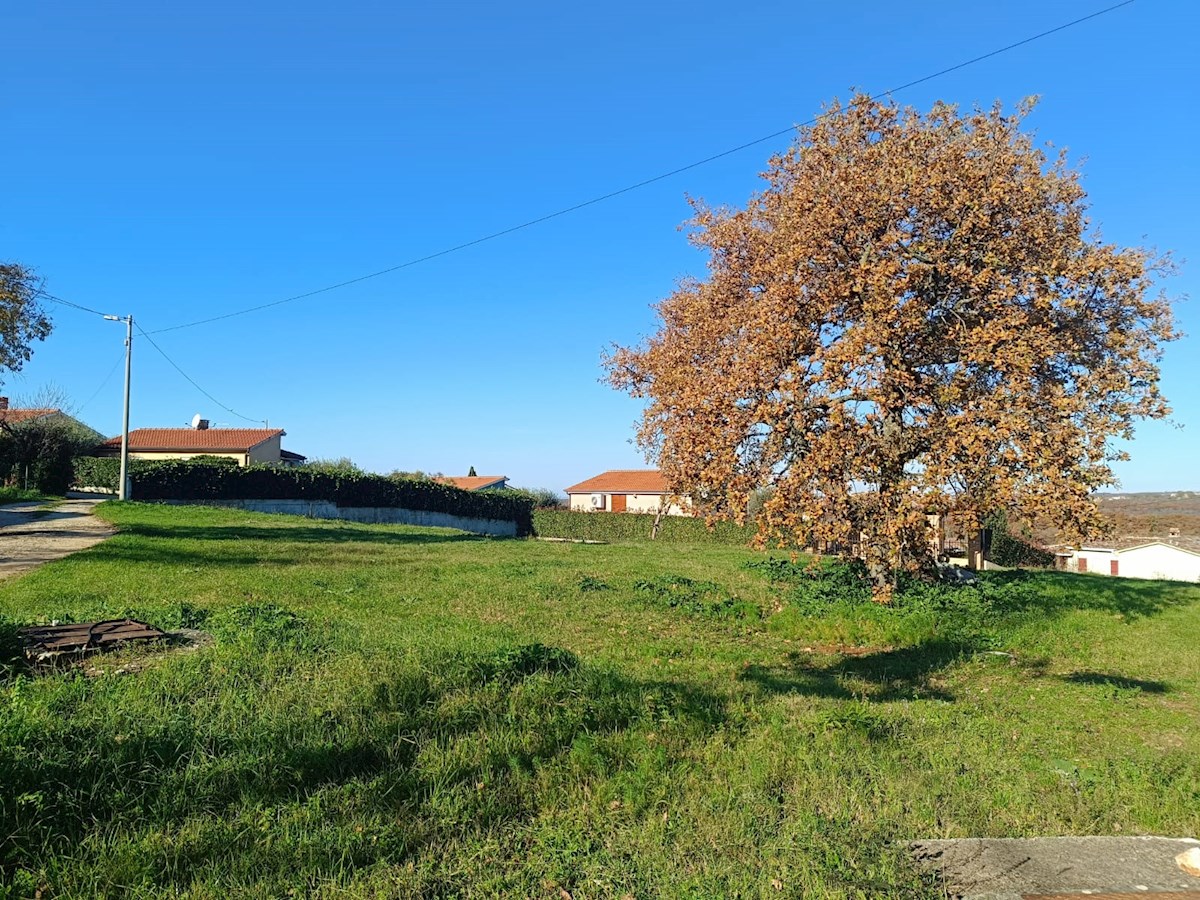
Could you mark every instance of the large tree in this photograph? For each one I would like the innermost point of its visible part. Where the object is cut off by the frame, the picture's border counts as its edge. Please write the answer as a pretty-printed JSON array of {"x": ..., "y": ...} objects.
[
  {"x": 912, "y": 317},
  {"x": 22, "y": 319}
]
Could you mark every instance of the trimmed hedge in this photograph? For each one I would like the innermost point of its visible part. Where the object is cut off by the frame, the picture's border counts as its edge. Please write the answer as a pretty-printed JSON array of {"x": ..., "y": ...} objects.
[
  {"x": 97, "y": 472},
  {"x": 608, "y": 526},
  {"x": 183, "y": 480}
]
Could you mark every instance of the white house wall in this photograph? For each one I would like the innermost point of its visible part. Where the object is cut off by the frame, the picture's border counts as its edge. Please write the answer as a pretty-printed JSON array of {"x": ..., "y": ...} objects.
[
  {"x": 1098, "y": 561},
  {"x": 1158, "y": 561},
  {"x": 634, "y": 503}
]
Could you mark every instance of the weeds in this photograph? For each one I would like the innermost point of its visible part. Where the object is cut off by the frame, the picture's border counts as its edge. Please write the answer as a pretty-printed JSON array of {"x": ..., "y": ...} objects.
[{"x": 700, "y": 598}]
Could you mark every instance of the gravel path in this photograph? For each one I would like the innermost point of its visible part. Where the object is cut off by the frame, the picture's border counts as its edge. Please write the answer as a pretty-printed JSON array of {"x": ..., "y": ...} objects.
[{"x": 30, "y": 535}]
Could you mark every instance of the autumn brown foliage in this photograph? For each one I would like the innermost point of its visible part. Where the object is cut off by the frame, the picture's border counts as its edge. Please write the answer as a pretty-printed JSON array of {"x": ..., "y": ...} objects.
[
  {"x": 912, "y": 316},
  {"x": 22, "y": 319}
]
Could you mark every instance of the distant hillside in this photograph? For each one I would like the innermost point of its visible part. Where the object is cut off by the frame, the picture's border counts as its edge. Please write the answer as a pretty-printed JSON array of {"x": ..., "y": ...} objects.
[
  {"x": 1136, "y": 516},
  {"x": 1152, "y": 514}
]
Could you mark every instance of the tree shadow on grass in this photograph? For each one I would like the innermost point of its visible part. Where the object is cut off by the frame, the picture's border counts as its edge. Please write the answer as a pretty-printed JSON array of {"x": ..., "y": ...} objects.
[
  {"x": 1057, "y": 593},
  {"x": 907, "y": 673},
  {"x": 1117, "y": 682}
]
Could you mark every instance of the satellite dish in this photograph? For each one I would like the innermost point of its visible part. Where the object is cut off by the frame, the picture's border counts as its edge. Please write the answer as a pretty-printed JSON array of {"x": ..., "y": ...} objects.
[{"x": 196, "y": 420}]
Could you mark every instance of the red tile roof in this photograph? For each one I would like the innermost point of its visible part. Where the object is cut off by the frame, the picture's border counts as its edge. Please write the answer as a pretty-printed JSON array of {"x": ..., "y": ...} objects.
[
  {"x": 623, "y": 481},
  {"x": 196, "y": 440},
  {"x": 16, "y": 416},
  {"x": 473, "y": 482}
]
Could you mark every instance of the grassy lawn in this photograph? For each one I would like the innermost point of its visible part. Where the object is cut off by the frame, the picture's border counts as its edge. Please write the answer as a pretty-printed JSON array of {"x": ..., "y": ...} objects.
[
  {"x": 401, "y": 712},
  {"x": 18, "y": 495}
]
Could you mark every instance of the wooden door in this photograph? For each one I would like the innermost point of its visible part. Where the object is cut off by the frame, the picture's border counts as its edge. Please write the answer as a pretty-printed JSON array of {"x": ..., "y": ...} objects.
[
  {"x": 618, "y": 503},
  {"x": 1113, "y": 567}
]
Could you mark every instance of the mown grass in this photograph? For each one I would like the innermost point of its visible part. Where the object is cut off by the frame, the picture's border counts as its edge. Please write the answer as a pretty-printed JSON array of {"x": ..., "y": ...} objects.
[{"x": 399, "y": 712}]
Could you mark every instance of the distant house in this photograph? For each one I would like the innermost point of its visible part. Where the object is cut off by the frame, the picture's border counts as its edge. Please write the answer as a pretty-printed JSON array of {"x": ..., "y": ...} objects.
[
  {"x": 474, "y": 482},
  {"x": 624, "y": 490},
  {"x": 10, "y": 417},
  {"x": 245, "y": 445},
  {"x": 1176, "y": 559}
]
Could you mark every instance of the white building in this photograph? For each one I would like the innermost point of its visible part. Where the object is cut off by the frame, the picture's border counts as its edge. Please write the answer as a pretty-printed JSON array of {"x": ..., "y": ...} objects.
[{"x": 1145, "y": 559}]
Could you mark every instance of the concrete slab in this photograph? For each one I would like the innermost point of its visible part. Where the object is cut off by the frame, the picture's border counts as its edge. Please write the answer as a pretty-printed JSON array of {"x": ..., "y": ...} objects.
[{"x": 1020, "y": 868}]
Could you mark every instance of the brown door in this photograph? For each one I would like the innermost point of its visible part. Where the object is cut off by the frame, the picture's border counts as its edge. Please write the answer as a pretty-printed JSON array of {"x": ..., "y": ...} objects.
[
  {"x": 1082, "y": 564},
  {"x": 1112, "y": 567},
  {"x": 618, "y": 503}
]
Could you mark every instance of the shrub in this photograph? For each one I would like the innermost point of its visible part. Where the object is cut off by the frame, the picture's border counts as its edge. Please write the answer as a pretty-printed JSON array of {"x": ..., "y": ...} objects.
[
  {"x": 1013, "y": 550},
  {"x": 37, "y": 454},
  {"x": 701, "y": 598},
  {"x": 615, "y": 527},
  {"x": 543, "y": 498}
]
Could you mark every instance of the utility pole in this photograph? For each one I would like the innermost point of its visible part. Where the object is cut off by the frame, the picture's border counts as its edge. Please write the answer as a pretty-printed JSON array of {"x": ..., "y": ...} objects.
[{"x": 123, "y": 486}]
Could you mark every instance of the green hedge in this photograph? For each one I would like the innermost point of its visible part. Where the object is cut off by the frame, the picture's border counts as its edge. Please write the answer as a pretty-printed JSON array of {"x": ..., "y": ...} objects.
[
  {"x": 94, "y": 472},
  {"x": 1010, "y": 551},
  {"x": 607, "y": 526},
  {"x": 183, "y": 480},
  {"x": 1014, "y": 550}
]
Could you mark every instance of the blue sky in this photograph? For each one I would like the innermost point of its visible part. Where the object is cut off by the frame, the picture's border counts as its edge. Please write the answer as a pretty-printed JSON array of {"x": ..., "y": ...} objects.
[{"x": 177, "y": 161}]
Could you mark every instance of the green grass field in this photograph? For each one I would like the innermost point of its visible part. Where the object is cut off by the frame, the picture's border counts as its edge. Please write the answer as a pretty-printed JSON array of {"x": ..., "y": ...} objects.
[{"x": 401, "y": 712}]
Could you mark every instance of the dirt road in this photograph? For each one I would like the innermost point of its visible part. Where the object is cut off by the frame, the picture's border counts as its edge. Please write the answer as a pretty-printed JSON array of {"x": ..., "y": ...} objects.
[{"x": 30, "y": 536}]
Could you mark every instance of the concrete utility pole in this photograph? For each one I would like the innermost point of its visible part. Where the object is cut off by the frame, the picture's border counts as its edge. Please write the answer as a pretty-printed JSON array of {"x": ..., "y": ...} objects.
[{"x": 123, "y": 486}]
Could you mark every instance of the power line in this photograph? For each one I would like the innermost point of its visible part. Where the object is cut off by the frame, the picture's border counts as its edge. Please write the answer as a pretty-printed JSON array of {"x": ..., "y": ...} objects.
[
  {"x": 633, "y": 187},
  {"x": 86, "y": 309},
  {"x": 103, "y": 383},
  {"x": 191, "y": 380}
]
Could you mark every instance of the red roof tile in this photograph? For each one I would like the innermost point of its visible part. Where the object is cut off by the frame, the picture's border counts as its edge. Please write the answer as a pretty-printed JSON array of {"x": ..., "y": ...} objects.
[
  {"x": 16, "y": 416},
  {"x": 623, "y": 481},
  {"x": 196, "y": 440},
  {"x": 473, "y": 482}
]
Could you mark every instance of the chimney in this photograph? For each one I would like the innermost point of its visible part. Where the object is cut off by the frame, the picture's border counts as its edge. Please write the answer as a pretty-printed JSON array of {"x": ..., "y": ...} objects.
[{"x": 3, "y": 403}]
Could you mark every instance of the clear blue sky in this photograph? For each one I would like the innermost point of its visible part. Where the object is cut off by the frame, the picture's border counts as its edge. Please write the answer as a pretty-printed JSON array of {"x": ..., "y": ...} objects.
[{"x": 183, "y": 160}]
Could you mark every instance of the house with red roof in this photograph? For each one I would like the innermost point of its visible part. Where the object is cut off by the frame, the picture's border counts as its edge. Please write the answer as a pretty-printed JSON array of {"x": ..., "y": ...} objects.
[
  {"x": 11, "y": 416},
  {"x": 246, "y": 446},
  {"x": 625, "y": 490}
]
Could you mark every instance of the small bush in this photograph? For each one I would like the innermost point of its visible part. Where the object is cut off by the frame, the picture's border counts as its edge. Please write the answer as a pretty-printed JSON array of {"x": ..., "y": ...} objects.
[
  {"x": 516, "y": 663},
  {"x": 696, "y": 598},
  {"x": 588, "y": 584},
  {"x": 1015, "y": 550},
  {"x": 776, "y": 569}
]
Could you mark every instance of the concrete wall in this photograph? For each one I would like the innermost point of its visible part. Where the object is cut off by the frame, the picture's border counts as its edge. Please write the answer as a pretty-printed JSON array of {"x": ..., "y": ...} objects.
[{"x": 369, "y": 515}]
